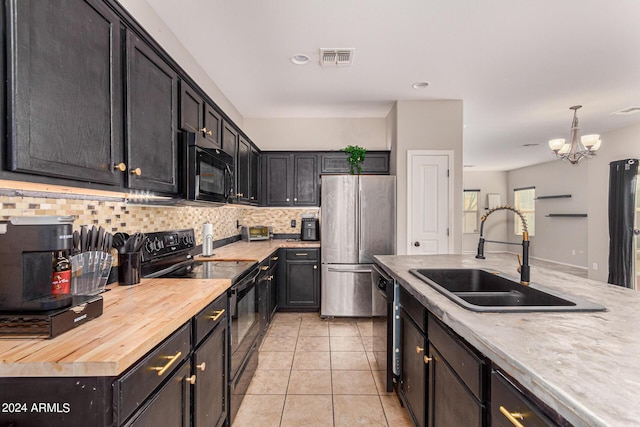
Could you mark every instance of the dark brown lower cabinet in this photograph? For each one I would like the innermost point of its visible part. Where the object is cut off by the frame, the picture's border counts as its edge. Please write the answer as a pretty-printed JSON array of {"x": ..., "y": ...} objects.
[
  {"x": 171, "y": 406},
  {"x": 413, "y": 377},
  {"x": 451, "y": 403},
  {"x": 210, "y": 387},
  {"x": 508, "y": 403}
]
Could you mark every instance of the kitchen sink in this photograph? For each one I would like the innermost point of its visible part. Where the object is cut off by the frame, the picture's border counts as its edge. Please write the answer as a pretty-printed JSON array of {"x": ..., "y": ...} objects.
[{"x": 486, "y": 290}]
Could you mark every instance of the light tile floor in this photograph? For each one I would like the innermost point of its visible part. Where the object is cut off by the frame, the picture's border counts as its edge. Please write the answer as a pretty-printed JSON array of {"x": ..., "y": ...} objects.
[{"x": 315, "y": 372}]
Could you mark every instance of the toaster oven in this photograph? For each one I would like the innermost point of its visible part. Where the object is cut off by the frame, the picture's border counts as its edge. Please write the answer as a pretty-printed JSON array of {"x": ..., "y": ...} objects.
[{"x": 256, "y": 232}]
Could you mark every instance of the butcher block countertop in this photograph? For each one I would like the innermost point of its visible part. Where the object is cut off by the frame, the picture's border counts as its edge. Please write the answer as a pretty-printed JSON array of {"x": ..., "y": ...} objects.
[
  {"x": 135, "y": 319},
  {"x": 254, "y": 251}
]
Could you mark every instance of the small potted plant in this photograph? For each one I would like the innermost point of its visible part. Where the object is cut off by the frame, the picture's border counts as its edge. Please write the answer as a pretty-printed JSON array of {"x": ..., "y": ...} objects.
[{"x": 356, "y": 157}]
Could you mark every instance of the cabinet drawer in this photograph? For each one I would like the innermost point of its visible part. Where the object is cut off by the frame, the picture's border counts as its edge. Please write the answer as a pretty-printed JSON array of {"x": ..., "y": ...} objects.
[
  {"x": 302, "y": 254},
  {"x": 134, "y": 387},
  {"x": 209, "y": 318},
  {"x": 506, "y": 396},
  {"x": 464, "y": 362},
  {"x": 414, "y": 309},
  {"x": 170, "y": 406}
]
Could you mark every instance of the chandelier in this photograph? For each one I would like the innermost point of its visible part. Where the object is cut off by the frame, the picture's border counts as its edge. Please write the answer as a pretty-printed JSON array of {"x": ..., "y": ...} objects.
[{"x": 577, "y": 148}]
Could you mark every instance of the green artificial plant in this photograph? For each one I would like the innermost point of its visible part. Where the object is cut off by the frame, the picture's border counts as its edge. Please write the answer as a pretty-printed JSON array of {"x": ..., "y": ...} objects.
[{"x": 356, "y": 157}]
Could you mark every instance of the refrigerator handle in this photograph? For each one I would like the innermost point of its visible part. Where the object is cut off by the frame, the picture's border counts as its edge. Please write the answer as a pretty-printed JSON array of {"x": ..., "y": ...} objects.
[
  {"x": 346, "y": 270},
  {"x": 359, "y": 222}
]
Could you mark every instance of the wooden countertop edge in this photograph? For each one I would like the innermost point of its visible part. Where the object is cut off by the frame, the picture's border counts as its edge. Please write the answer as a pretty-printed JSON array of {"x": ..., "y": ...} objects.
[{"x": 110, "y": 335}]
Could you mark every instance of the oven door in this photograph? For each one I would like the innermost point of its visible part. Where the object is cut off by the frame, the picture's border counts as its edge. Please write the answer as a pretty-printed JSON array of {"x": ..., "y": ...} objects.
[
  {"x": 244, "y": 319},
  {"x": 209, "y": 175}
]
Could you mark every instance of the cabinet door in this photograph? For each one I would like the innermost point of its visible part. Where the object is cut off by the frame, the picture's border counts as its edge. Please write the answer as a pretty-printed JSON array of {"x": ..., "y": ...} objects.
[
  {"x": 243, "y": 169},
  {"x": 413, "y": 372},
  {"x": 302, "y": 284},
  {"x": 277, "y": 180},
  {"x": 151, "y": 119},
  {"x": 254, "y": 174},
  {"x": 210, "y": 389},
  {"x": 451, "y": 403},
  {"x": 191, "y": 107},
  {"x": 305, "y": 180},
  {"x": 212, "y": 125},
  {"x": 64, "y": 89},
  {"x": 171, "y": 405},
  {"x": 229, "y": 139}
]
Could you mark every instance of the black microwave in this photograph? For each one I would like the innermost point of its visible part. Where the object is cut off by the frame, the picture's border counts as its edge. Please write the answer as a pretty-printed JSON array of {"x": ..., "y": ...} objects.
[{"x": 207, "y": 170}]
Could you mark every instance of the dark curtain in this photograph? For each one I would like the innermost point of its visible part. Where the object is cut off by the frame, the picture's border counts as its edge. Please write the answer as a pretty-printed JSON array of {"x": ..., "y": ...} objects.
[{"x": 622, "y": 195}]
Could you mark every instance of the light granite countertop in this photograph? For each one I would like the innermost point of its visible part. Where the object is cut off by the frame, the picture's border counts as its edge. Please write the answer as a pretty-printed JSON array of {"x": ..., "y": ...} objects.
[{"x": 584, "y": 365}]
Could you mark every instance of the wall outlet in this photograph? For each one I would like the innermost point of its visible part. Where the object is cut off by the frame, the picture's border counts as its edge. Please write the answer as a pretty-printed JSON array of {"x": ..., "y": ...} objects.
[
  {"x": 293, "y": 223},
  {"x": 573, "y": 251},
  {"x": 595, "y": 266}
]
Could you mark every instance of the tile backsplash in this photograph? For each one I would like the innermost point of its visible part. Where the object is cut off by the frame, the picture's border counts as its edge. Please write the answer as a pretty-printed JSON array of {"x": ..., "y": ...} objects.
[{"x": 121, "y": 216}]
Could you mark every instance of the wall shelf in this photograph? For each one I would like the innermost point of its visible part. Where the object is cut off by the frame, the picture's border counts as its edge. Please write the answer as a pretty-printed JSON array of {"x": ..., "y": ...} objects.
[
  {"x": 566, "y": 215},
  {"x": 559, "y": 196}
]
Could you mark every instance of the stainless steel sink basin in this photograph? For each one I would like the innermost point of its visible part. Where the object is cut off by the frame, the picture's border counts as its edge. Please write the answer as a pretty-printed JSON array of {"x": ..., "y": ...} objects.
[{"x": 486, "y": 290}]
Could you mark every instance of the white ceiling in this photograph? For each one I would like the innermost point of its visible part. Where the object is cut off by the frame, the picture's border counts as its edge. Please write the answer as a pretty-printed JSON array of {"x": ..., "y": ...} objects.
[{"x": 518, "y": 65}]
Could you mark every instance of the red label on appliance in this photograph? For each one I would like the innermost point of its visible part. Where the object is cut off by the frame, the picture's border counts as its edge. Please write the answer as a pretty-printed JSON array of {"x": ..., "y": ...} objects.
[{"x": 61, "y": 282}]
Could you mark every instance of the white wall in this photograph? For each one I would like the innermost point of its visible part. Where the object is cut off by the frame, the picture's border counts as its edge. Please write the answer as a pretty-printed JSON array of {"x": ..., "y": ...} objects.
[
  {"x": 561, "y": 240},
  {"x": 151, "y": 22},
  {"x": 496, "y": 226},
  {"x": 428, "y": 125},
  {"x": 618, "y": 145},
  {"x": 317, "y": 133}
]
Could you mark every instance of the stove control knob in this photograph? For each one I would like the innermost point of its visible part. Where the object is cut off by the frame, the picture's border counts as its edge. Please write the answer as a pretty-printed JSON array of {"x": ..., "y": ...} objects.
[
  {"x": 158, "y": 244},
  {"x": 149, "y": 246}
]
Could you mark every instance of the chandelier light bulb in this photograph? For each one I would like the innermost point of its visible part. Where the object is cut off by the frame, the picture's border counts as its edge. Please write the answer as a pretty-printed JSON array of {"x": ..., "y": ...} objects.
[
  {"x": 590, "y": 141},
  {"x": 556, "y": 144}
]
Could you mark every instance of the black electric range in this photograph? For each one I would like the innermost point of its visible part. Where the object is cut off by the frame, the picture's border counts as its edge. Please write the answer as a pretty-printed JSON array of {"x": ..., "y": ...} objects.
[{"x": 170, "y": 254}]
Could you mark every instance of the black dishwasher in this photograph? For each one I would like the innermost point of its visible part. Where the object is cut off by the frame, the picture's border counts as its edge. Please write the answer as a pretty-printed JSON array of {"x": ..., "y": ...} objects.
[{"x": 386, "y": 334}]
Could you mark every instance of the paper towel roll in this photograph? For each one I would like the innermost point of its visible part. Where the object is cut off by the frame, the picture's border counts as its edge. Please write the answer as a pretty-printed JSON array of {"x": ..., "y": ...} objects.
[{"x": 207, "y": 239}]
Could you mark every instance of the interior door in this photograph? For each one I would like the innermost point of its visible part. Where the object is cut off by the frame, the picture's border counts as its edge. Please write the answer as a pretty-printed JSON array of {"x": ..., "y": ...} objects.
[{"x": 428, "y": 204}]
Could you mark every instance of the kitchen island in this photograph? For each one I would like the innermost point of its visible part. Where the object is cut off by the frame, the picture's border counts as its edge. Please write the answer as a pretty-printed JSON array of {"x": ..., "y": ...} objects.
[
  {"x": 583, "y": 365},
  {"x": 135, "y": 319}
]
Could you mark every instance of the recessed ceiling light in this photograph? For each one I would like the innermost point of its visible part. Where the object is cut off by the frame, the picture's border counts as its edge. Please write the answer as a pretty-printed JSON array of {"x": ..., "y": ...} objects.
[
  {"x": 300, "y": 59},
  {"x": 420, "y": 85}
]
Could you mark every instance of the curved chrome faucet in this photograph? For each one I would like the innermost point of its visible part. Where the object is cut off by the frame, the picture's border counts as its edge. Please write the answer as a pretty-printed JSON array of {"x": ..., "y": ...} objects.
[{"x": 523, "y": 269}]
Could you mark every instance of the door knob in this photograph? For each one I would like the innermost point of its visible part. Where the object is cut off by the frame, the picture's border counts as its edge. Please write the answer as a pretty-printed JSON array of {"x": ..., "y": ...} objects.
[{"x": 416, "y": 244}]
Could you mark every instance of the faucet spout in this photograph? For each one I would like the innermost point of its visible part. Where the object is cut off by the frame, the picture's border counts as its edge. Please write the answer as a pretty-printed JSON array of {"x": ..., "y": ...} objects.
[{"x": 524, "y": 268}]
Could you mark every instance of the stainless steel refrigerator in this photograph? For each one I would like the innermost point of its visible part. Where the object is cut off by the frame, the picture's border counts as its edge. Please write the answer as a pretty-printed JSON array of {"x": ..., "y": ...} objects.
[{"x": 358, "y": 220}]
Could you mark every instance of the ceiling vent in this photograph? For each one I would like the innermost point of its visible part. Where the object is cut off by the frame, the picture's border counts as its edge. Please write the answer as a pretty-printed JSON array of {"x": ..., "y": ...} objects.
[
  {"x": 336, "y": 57},
  {"x": 626, "y": 111}
]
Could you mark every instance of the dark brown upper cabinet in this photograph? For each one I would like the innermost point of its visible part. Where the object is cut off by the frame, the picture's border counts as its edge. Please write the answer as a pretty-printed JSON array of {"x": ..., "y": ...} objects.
[
  {"x": 335, "y": 162},
  {"x": 291, "y": 179},
  {"x": 152, "y": 100},
  {"x": 64, "y": 89},
  {"x": 199, "y": 117}
]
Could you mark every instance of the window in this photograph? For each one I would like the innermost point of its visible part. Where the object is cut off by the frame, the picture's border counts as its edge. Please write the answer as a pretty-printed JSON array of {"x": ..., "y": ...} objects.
[
  {"x": 525, "y": 202},
  {"x": 470, "y": 215}
]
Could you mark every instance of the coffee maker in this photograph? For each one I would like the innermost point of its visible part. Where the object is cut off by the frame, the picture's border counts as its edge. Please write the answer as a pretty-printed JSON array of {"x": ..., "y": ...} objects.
[{"x": 26, "y": 247}]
